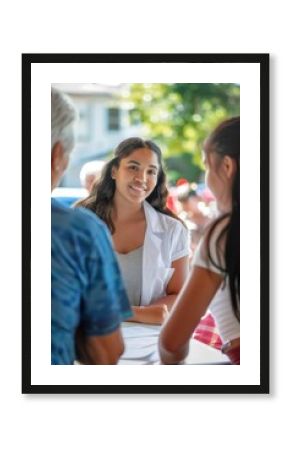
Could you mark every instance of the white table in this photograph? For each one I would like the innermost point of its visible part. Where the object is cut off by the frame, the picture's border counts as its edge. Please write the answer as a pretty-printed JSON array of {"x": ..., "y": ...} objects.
[{"x": 141, "y": 347}]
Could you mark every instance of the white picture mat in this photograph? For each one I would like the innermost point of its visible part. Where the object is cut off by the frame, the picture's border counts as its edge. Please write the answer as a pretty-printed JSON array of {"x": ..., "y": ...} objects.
[{"x": 248, "y": 76}]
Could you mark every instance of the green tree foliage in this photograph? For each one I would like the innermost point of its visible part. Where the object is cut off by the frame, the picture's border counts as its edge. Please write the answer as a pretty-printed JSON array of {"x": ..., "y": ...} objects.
[{"x": 180, "y": 116}]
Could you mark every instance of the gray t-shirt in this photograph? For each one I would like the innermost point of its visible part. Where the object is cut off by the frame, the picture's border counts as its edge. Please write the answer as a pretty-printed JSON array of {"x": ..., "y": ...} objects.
[{"x": 131, "y": 270}]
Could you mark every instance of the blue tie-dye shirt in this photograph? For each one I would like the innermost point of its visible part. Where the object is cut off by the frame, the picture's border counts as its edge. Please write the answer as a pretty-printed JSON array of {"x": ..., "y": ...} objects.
[{"x": 86, "y": 285}]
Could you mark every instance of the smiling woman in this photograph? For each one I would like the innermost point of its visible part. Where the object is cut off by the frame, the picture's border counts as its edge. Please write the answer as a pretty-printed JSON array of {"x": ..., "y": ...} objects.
[
  {"x": 136, "y": 176},
  {"x": 150, "y": 242}
]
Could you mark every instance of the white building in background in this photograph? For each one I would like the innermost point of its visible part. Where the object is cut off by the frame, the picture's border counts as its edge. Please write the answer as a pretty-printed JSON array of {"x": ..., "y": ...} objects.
[{"x": 104, "y": 121}]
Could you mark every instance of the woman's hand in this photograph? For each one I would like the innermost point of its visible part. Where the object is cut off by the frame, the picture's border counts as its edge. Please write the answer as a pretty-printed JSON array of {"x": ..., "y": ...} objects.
[{"x": 152, "y": 314}]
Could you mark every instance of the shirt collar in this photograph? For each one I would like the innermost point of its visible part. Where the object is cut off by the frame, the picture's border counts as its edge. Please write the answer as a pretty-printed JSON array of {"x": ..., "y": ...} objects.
[{"x": 153, "y": 219}]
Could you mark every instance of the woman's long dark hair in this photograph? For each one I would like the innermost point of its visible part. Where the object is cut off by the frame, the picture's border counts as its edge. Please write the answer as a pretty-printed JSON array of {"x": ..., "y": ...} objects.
[
  {"x": 100, "y": 200},
  {"x": 225, "y": 141}
]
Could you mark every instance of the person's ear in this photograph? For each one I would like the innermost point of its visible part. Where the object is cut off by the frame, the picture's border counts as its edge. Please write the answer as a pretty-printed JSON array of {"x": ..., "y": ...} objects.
[
  {"x": 113, "y": 172},
  {"x": 57, "y": 156},
  {"x": 229, "y": 166}
]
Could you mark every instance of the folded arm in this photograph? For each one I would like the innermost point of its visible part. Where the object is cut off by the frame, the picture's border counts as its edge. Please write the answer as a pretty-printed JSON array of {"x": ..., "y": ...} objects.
[{"x": 157, "y": 311}]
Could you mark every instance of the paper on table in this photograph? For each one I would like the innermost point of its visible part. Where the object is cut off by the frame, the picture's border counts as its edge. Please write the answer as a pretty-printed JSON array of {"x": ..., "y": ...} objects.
[
  {"x": 141, "y": 347},
  {"x": 139, "y": 352},
  {"x": 137, "y": 331},
  {"x": 200, "y": 353},
  {"x": 140, "y": 344},
  {"x": 142, "y": 362},
  {"x": 140, "y": 356},
  {"x": 144, "y": 342}
]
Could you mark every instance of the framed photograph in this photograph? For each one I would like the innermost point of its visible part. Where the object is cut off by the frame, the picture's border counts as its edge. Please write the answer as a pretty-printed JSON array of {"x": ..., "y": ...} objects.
[{"x": 175, "y": 99}]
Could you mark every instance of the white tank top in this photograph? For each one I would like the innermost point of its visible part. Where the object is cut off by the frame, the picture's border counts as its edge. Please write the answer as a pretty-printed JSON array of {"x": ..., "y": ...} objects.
[{"x": 220, "y": 306}]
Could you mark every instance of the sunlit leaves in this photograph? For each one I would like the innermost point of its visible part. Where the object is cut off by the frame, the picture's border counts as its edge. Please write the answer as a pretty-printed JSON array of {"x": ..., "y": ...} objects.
[{"x": 180, "y": 116}]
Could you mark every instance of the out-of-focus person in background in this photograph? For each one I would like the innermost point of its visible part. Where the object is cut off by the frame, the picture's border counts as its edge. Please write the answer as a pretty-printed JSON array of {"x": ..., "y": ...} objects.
[
  {"x": 215, "y": 279},
  {"x": 151, "y": 243},
  {"x": 88, "y": 300},
  {"x": 91, "y": 173},
  {"x": 194, "y": 213},
  {"x": 191, "y": 204}
]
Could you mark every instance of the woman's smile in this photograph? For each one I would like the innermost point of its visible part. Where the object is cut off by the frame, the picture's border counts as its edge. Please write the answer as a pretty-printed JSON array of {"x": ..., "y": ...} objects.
[
  {"x": 137, "y": 189},
  {"x": 137, "y": 175}
]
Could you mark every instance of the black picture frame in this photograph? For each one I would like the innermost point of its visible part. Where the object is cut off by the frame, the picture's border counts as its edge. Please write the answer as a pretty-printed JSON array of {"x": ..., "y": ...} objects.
[{"x": 263, "y": 61}]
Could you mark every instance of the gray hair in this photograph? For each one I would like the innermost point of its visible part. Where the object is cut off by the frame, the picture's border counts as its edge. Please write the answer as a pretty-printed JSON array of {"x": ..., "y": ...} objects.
[{"x": 63, "y": 116}]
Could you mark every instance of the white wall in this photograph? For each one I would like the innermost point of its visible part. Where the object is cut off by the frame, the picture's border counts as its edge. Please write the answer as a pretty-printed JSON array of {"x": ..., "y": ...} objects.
[{"x": 101, "y": 140}]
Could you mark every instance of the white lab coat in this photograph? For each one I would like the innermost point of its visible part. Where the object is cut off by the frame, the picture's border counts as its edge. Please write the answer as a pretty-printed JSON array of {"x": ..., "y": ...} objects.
[{"x": 166, "y": 240}]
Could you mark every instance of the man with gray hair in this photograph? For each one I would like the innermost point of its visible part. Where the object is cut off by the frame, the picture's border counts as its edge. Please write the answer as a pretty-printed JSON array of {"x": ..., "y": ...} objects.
[{"x": 88, "y": 299}]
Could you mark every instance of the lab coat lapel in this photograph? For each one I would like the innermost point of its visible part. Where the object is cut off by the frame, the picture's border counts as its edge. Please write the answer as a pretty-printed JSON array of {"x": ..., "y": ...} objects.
[{"x": 151, "y": 251}]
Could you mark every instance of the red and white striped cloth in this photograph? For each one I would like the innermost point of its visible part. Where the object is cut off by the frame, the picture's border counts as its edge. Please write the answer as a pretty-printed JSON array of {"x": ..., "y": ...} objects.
[{"x": 207, "y": 332}]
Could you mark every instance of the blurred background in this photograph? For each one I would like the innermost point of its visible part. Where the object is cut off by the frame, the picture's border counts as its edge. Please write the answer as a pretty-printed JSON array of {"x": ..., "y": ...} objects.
[{"x": 177, "y": 116}]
